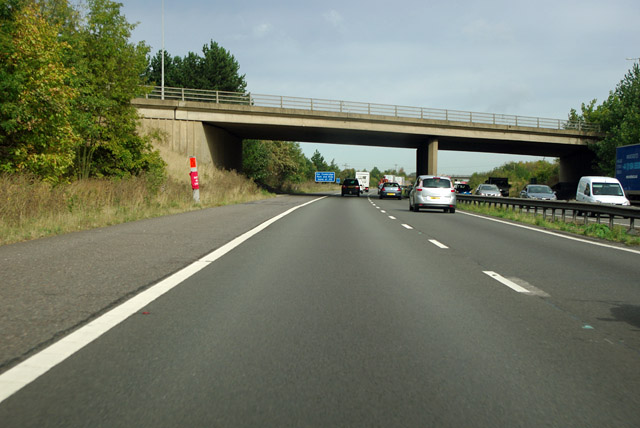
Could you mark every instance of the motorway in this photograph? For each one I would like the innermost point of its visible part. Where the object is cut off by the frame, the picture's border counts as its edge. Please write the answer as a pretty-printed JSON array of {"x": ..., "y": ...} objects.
[{"x": 354, "y": 311}]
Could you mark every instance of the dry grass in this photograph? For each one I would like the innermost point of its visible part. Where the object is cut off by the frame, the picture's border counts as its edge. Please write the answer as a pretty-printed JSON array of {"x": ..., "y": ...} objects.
[
  {"x": 311, "y": 187},
  {"x": 31, "y": 209}
]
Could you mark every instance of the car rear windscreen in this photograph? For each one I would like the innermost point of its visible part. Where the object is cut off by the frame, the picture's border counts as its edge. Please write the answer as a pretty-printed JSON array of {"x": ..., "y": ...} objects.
[{"x": 436, "y": 182}]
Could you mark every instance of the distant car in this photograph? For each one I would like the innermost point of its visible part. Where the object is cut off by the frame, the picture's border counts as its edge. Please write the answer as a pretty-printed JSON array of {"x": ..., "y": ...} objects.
[
  {"x": 463, "y": 188},
  {"x": 351, "y": 186},
  {"x": 430, "y": 191},
  {"x": 390, "y": 190},
  {"x": 538, "y": 191},
  {"x": 487, "y": 190}
]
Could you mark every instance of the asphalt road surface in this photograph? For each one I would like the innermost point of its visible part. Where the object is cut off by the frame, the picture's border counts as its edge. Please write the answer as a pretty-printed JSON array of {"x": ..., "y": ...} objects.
[{"x": 352, "y": 311}]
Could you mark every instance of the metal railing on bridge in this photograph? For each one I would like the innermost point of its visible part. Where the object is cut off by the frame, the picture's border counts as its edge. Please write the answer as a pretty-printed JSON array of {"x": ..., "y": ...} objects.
[{"x": 315, "y": 104}]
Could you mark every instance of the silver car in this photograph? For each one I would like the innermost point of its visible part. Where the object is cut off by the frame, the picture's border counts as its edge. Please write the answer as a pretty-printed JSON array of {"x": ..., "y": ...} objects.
[
  {"x": 431, "y": 191},
  {"x": 487, "y": 190},
  {"x": 538, "y": 191},
  {"x": 390, "y": 190}
]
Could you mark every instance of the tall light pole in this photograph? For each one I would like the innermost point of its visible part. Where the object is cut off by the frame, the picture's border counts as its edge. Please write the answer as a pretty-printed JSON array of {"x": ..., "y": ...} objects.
[{"x": 162, "y": 66}]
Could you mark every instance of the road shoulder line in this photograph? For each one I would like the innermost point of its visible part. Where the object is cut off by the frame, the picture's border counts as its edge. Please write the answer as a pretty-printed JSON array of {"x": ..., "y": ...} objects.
[
  {"x": 547, "y": 232},
  {"x": 32, "y": 368}
]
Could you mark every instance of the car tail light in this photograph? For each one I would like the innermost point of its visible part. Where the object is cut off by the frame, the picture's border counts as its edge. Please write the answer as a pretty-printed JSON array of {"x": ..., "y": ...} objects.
[
  {"x": 453, "y": 190},
  {"x": 418, "y": 190}
]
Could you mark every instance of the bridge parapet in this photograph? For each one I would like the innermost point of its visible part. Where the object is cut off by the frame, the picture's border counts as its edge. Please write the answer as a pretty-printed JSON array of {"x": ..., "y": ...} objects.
[{"x": 314, "y": 104}]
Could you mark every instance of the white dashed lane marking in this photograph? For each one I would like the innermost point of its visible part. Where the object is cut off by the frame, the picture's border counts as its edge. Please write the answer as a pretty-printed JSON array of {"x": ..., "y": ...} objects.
[{"x": 438, "y": 244}]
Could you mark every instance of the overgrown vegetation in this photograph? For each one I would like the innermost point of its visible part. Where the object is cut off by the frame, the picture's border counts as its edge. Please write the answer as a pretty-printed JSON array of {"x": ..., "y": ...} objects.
[
  {"x": 594, "y": 230},
  {"x": 67, "y": 77},
  {"x": 35, "y": 208},
  {"x": 521, "y": 174},
  {"x": 618, "y": 117}
]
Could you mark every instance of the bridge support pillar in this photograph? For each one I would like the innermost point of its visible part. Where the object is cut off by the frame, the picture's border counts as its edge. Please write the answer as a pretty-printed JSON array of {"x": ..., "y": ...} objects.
[
  {"x": 427, "y": 158},
  {"x": 576, "y": 165}
]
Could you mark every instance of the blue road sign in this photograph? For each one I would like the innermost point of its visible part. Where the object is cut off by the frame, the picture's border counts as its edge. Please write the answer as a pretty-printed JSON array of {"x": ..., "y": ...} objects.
[{"x": 325, "y": 177}]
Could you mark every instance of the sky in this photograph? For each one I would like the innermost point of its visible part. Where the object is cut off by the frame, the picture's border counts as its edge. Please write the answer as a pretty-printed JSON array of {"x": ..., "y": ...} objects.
[{"x": 526, "y": 58}]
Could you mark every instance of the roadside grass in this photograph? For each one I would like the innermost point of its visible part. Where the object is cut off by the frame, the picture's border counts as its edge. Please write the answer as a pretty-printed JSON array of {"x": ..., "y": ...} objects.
[
  {"x": 311, "y": 187},
  {"x": 593, "y": 230},
  {"x": 31, "y": 209}
]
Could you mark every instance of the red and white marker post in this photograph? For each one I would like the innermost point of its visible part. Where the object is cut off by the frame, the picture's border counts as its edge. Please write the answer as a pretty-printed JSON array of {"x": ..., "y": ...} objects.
[{"x": 195, "y": 185}]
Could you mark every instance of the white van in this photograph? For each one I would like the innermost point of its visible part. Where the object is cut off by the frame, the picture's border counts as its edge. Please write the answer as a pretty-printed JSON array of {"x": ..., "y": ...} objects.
[{"x": 601, "y": 190}]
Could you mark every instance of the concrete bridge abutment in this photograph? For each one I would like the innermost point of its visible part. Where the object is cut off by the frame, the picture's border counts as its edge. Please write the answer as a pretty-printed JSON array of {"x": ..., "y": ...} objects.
[{"x": 208, "y": 143}]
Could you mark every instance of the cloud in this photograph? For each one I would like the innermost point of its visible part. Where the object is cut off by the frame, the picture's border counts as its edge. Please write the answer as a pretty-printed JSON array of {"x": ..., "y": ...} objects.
[
  {"x": 262, "y": 30},
  {"x": 480, "y": 29},
  {"x": 334, "y": 18}
]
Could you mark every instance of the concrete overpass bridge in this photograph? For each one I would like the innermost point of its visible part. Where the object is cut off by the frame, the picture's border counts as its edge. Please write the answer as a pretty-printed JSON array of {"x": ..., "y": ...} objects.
[{"x": 212, "y": 124}]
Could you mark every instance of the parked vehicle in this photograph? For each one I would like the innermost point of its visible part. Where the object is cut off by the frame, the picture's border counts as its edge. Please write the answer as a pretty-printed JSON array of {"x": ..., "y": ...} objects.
[
  {"x": 601, "y": 190},
  {"x": 502, "y": 183},
  {"x": 487, "y": 190},
  {"x": 430, "y": 191},
  {"x": 363, "y": 179},
  {"x": 351, "y": 186},
  {"x": 628, "y": 170},
  {"x": 390, "y": 190},
  {"x": 538, "y": 191}
]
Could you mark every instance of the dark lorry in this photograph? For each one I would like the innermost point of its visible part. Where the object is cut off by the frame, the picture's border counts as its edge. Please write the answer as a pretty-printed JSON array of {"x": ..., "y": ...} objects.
[{"x": 502, "y": 183}]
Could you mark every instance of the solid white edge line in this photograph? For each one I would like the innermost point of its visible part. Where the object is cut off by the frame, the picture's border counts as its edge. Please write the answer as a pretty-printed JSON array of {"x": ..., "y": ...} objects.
[
  {"x": 599, "y": 244},
  {"x": 35, "y": 366},
  {"x": 505, "y": 281},
  {"x": 438, "y": 244}
]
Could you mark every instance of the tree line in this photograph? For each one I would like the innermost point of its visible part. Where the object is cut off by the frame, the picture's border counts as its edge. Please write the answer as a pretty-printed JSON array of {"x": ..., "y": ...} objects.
[{"x": 618, "y": 117}]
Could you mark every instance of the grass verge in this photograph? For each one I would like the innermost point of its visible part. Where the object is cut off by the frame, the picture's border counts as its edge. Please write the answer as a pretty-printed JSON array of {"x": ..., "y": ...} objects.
[
  {"x": 31, "y": 209},
  {"x": 593, "y": 230},
  {"x": 311, "y": 187}
]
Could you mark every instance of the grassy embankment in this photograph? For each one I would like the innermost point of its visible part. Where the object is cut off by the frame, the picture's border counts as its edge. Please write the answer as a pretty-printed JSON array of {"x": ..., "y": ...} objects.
[
  {"x": 593, "y": 230},
  {"x": 311, "y": 187},
  {"x": 30, "y": 209}
]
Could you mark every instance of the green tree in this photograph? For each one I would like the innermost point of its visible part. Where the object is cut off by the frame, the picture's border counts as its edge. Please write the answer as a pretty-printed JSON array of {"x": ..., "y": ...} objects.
[
  {"x": 35, "y": 131},
  {"x": 172, "y": 69},
  {"x": 375, "y": 175},
  {"x": 221, "y": 70},
  {"x": 318, "y": 161},
  {"x": 217, "y": 69},
  {"x": 255, "y": 160},
  {"x": 333, "y": 166},
  {"x": 618, "y": 117},
  {"x": 274, "y": 163},
  {"x": 109, "y": 71}
]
